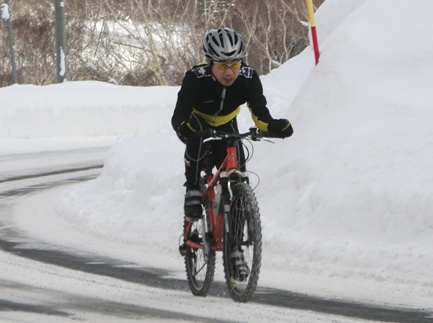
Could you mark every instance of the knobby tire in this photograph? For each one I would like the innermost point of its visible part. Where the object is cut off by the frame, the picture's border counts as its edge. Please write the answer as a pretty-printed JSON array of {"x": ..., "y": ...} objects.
[
  {"x": 199, "y": 263},
  {"x": 244, "y": 234}
]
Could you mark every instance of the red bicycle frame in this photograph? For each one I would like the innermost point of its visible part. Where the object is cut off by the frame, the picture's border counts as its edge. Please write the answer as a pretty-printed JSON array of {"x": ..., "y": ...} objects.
[{"x": 216, "y": 219}]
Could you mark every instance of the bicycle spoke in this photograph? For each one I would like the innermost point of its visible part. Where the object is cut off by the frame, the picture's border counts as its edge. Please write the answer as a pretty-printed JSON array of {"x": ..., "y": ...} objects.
[{"x": 199, "y": 262}]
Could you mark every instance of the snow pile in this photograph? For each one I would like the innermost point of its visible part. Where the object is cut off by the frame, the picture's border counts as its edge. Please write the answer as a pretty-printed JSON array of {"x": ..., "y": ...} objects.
[{"x": 76, "y": 109}]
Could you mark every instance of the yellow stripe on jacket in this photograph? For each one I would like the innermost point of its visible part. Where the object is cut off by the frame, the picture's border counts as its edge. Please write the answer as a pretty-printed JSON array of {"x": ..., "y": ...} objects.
[{"x": 220, "y": 120}]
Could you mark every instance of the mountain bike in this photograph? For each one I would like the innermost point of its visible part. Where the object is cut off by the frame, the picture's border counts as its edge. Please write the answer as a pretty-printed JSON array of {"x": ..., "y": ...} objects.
[{"x": 230, "y": 223}]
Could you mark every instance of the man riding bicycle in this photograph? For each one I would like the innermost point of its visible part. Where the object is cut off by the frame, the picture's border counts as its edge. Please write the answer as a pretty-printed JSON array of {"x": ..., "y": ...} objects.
[{"x": 210, "y": 98}]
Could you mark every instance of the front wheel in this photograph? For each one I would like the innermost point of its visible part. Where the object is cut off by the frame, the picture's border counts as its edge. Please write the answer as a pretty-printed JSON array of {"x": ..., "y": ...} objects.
[
  {"x": 199, "y": 262},
  {"x": 242, "y": 250}
]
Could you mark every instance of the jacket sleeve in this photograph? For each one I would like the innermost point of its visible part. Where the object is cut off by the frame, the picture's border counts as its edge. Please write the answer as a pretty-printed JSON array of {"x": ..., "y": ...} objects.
[
  {"x": 185, "y": 100},
  {"x": 257, "y": 103}
]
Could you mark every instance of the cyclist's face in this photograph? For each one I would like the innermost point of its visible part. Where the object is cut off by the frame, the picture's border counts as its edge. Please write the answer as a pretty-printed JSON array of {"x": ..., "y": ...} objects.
[{"x": 226, "y": 72}]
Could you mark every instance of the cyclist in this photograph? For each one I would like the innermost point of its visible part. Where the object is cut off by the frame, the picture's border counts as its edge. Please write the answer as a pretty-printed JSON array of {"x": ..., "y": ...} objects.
[{"x": 210, "y": 97}]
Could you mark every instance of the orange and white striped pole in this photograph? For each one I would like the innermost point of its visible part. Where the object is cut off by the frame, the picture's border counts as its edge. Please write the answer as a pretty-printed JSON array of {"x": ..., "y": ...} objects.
[{"x": 310, "y": 10}]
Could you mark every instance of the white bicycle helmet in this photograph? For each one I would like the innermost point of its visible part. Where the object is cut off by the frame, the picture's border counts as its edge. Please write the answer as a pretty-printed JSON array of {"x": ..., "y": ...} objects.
[{"x": 223, "y": 44}]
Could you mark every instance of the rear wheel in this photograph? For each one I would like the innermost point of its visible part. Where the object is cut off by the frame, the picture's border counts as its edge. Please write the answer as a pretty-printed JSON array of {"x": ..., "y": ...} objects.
[
  {"x": 242, "y": 251},
  {"x": 199, "y": 262}
]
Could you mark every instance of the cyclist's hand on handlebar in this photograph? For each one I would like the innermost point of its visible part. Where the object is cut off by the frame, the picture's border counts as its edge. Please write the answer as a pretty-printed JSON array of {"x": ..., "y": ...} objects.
[
  {"x": 280, "y": 127},
  {"x": 185, "y": 130},
  {"x": 206, "y": 133},
  {"x": 190, "y": 128}
]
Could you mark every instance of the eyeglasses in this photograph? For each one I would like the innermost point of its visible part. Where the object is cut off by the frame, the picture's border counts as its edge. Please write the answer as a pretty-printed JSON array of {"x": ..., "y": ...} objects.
[{"x": 225, "y": 66}]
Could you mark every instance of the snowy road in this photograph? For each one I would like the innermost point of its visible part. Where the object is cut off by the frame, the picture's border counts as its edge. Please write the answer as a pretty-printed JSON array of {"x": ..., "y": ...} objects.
[{"x": 43, "y": 281}]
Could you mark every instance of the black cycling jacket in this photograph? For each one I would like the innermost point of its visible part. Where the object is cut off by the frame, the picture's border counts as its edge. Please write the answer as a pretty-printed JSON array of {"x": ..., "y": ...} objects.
[{"x": 203, "y": 95}]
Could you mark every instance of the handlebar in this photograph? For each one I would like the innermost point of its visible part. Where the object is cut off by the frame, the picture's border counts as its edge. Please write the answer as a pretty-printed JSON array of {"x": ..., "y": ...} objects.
[{"x": 254, "y": 134}]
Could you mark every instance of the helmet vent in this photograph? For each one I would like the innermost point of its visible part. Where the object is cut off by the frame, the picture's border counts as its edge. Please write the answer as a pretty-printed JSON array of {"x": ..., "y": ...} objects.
[{"x": 223, "y": 44}]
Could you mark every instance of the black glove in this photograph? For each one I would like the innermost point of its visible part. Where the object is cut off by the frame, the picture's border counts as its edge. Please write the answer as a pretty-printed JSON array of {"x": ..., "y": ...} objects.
[
  {"x": 189, "y": 128},
  {"x": 280, "y": 127},
  {"x": 185, "y": 130}
]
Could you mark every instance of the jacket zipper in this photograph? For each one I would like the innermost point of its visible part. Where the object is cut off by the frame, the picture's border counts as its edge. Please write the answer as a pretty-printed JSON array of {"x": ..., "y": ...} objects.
[{"x": 223, "y": 96}]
